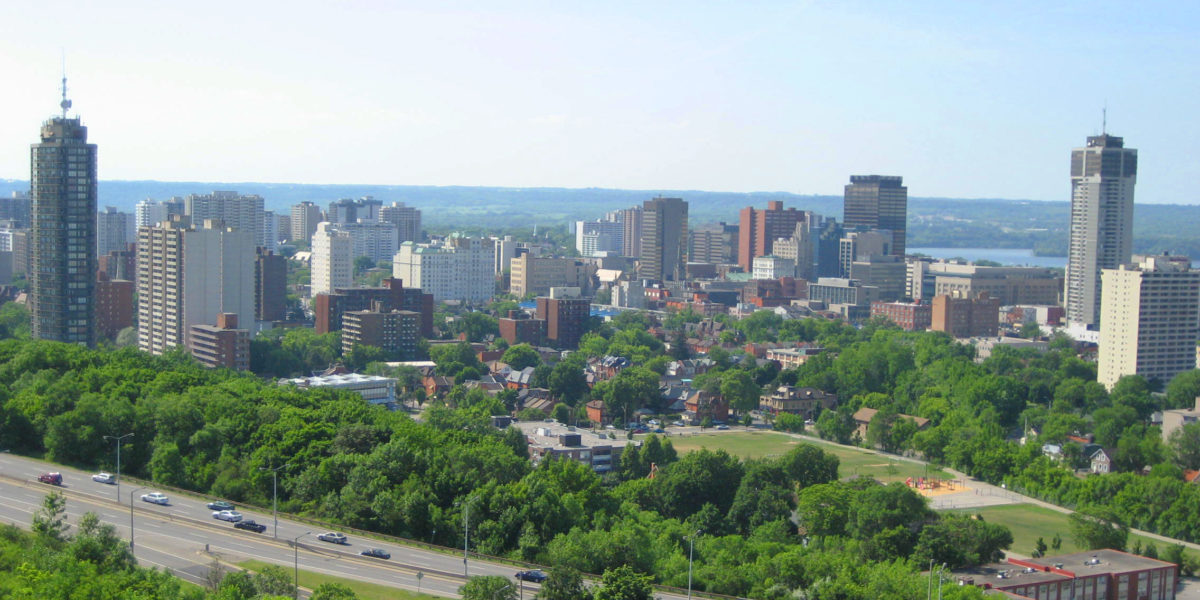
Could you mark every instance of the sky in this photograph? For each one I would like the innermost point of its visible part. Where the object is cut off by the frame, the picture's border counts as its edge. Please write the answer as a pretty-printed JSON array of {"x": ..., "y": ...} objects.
[{"x": 963, "y": 99}]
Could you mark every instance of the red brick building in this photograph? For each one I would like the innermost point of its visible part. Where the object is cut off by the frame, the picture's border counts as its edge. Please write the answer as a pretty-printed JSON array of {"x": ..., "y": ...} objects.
[
  {"x": 966, "y": 317},
  {"x": 566, "y": 319},
  {"x": 519, "y": 328},
  {"x": 910, "y": 316},
  {"x": 223, "y": 345},
  {"x": 758, "y": 230},
  {"x": 329, "y": 308},
  {"x": 114, "y": 305},
  {"x": 1109, "y": 574}
]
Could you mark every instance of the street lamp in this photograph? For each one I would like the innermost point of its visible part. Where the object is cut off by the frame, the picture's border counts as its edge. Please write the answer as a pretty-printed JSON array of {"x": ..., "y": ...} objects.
[
  {"x": 275, "y": 495},
  {"x": 691, "y": 550},
  {"x": 496, "y": 595},
  {"x": 466, "y": 528},
  {"x": 131, "y": 493},
  {"x": 296, "y": 563},
  {"x": 118, "y": 439}
]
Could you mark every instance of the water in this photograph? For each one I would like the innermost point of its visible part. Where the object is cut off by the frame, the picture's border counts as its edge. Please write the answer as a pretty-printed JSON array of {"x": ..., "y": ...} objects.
[{"x": 1004, "y": 256}]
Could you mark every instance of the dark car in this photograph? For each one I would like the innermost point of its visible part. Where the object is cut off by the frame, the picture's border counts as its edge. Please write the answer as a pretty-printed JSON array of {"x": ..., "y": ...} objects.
[
  {"x": 376, "y": 553},
  {"x": 535, "y": 576},
  {"x": 51, "y": 478},
  {"x": 220, "y": 505},
  {"x": 250, "y": 526}
]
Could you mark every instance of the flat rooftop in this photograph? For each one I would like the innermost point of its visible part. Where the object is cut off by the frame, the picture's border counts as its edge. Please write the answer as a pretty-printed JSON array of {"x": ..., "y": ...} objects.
[
  {"x": 555, "y": 429},
  {"x": 1110, "y": 561},
  {"x": 1005, "y": 575}
]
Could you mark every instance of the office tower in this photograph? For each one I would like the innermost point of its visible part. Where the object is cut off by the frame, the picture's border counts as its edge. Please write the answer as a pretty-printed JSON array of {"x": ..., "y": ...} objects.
[
  {"x": 244, "y": 213},
  {"x": 886, "y": 272},
  {"x": 187, "y": 275},
  {"x": 1102, "y": 178},
  {"x": 62, "y": 245},
  {"x": 269, "y": 238},
  {"x": 1150, "y": 319},
  {"x": 592, "y": 237},
  {"x": 348, "y": 210},
  {"x": 758, "y": 230},
  {"x": 332, "y": 259},
  {"x": 406, "y": 219},
  {"x": 631, "y": 235},
  {"x": 16, "y": 210},
  {"x": 799, "y": 248},
  {"x": 716, "y": 243},
  {"x": 305, "y": 217},
  {"x": 460, "y": 269},
  {"x": 270, "y": 286},
  {"x": 664, "y": 239},
  {"x": 877, "y": 202},
  {"x": 829, "y": 245},
  {"x": 769, "y": 266},
  {"x": 858, "y": 245},
  {"x": 329, "y": 309},
  {"x": 533, "y": 275}
]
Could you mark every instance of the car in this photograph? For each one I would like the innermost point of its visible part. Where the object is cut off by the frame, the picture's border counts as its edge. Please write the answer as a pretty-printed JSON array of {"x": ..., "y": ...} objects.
[
  {"x": 659, "y": 430},
  {"x": 333, "y": 537},
  {"x": 722, "y": 427},
  {"x": 232, "y": 516},
  {"x": 220, "y": 505},
  {"x": 156, "y": 498},
  {"x": 51, "y": 478},
  {"x": 534, "y": 575},
  {"x": 376, "y": 553},
  {"x": 103, "y": 477},
  {"x": 610, "y": 426},
  {"x": 652, "y": 422},
  {"x": 678, "y": 423},
  {"x": 250, "y": 525}
]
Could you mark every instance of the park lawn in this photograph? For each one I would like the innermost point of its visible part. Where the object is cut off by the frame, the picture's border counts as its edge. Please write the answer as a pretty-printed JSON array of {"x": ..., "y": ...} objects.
[
  {"x": 364, "y": 591},
  {"x": 1028, "y": 522},
  {"x": 758, "y": 444}
]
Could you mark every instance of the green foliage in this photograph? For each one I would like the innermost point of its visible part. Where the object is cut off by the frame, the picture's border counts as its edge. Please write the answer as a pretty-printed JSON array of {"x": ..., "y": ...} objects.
[
  {"x": 520, "y": 356},
  {"x": 50, "y": 520},
  {"x": 789, "y": 423},
  {"x": 623, "y": 583},
  {"x": 14, "y": 321},
  {"x": 1094, "y": 528},
  {"x": 476, "y": 326},
  {"x": 1184, "y": 445},
  {"x": 563, "y": 583},
  {"x": 333, "y": 591},
  {"x": 488, "y": 587}
]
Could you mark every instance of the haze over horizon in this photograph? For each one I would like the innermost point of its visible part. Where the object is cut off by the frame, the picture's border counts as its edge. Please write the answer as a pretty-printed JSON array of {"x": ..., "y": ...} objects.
[{"x": 963, "y": 101}]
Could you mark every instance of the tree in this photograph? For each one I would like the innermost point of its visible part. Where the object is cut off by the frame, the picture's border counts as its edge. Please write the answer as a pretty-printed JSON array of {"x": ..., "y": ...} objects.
[
  {"x": 567, "y": 380},
  {"x": 363, "y": 264},
  {"x": 1095, "y": 528},
  {"x": 739, "y": 389},
  {"x": 50, "y": 520},
  {"x": 274, "y": 580},
  {"x": 488, "y": 587},
  {"x": 520, "y": 356},
  {"x": 563, "y": 583},
  {"x": 333, "y": 591},
  {"x": 623, "y": 583},
  {"x": 1184, "y": 444},
  {"x": 836, "y": 425},
  {"x": 789, "y": 423}
]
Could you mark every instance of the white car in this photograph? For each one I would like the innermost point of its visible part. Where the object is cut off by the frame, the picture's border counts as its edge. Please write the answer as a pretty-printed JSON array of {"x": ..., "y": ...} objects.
[
  {"x": 333, "y": 537},
  {"x": 104, "y": 478},
  {"x": 232, "y": 516},
  {"x": 155, "y": 498}
]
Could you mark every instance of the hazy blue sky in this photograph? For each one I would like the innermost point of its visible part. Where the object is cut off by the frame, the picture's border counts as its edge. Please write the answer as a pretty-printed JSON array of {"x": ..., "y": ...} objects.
[{"x": 964, "y": 99}]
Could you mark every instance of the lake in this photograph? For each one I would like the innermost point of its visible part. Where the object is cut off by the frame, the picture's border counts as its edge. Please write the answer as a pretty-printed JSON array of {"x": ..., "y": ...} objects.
[{"x": 1004, "y": 256}]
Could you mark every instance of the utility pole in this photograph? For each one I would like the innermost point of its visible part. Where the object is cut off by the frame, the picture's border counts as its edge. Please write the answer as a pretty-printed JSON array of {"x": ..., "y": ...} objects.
[
  {"x": 118, "y": 439},
  {"x": 131, "y": 493},
  {"x": 275, "y": 494},
  {"x": 691, "y": 551}
]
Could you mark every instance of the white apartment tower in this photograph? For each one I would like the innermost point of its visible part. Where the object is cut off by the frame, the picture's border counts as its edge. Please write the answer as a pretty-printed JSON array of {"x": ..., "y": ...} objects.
[
  {"x": 1102, "y": 178},
  {"x": 461, "y": 269},
  {"x": 189, "y": 275},
  {"x": 112, "y": 230},
  {"x": 1150, "y": 319},
  {"x": 305, "y": 217},
  {"x": 244, "y": 213},
  {"x": 332, "y": 259}
]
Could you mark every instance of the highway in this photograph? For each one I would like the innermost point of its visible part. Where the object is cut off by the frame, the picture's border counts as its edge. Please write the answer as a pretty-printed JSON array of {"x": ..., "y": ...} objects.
[{"x": 184, "y": 537}]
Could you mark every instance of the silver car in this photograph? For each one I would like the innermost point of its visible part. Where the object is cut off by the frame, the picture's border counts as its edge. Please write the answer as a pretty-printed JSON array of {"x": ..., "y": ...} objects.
[{"x": 104, "y": 478}]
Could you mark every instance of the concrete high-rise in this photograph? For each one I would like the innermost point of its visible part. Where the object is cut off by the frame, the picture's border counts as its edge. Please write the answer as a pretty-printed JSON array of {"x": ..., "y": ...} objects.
[
  {"x": 112, "y": 230},
  {"x": 877, "y": 202},
  {"x": 462, "y": 268},
  {"x": 664, "y": 239},
  {"x": 305, "y": 217},
  {"x": 758, "y": 230},
  {"x": 406, "y": 219},
  {"x": 1150, "y": 319},
  {"x": 631, "y": 236},
  {"x": 62, "y": 246},
  {"x": 332, "y": 259},
  {"x": 244, "y": 213},
  {"x": 1102, "y": 178}
]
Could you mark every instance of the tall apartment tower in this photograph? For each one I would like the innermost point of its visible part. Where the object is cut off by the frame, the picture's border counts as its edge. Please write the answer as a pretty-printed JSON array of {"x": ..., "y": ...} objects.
[
  {"x": 62, "y": 246},
  {"x": 758, "y": 230},
  {"x": 332, "y": 259},
  {"x": 244, "y": 213},
  {"x": 406, "y": 219},
  {"x": 187, "y": 276},
  {"x": 664, "y": 239},
  {"x": 1102, "y": 178},
  {"x": 112, "y": 229},
  {"x": 305, "y": 217},
  {"x": 1150, "y": 319},
  {"x": 877, "y": 202},
  {"x": 631, "y": 236}
]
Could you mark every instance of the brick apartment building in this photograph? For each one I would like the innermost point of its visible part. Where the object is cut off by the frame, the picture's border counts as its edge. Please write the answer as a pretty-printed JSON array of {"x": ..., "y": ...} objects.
[
  {"x": 566, "y": 319},
  {"x": 330, "y": 307},
  {"x": 1092, "y": 575},
  {"x": 114, "y": 305},
  {"x": 223, "y": 345},
  {"x": 394, "y": 331},
  {"x": 910, "y": 316},
  {"x": 966, "y": 317},
  {"x": 519, "y": 328}
]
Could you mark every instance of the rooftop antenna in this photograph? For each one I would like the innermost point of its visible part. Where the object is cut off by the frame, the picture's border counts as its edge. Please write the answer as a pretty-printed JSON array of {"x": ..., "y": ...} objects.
[
  {"x": 65, "y": 104},
  {"x": 1104, "y": 119}
]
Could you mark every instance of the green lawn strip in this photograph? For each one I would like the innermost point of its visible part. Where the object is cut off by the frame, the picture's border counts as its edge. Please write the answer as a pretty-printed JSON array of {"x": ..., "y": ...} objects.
[
  {"x": 853, "y": 461},
  {"x": 365, "y": 591},
  {"x": 1028, "y": 522}
]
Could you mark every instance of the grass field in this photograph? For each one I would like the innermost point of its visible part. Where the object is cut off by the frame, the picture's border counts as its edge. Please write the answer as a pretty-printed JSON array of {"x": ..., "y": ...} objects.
[
  {"x": 365, "y": 591},
  {"x": 757, "y": 444}
]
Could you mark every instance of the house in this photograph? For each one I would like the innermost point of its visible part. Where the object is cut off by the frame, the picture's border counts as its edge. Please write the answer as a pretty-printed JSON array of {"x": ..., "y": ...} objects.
[
  {"x": 1101, "y": 461},
  {"x": 700, "y": 404},
  {"x": 596, "y": 412},
  {"x": 437, "y": 386},
  {"x": 1174, "y": 419},
  {"x": 519, "y": 380},
  {"x": 675, "y": 396},
  {"x": 537, "y": 398},
  {"x": 862, "y": 418},
  {"x": 790, "y": 358},
  {"x": 1191, "y": 476},
  {"x": 803, "y": 401}
]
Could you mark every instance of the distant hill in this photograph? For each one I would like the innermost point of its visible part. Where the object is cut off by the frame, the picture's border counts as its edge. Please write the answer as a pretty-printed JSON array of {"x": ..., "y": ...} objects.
[{"x": 943, "y": 222}]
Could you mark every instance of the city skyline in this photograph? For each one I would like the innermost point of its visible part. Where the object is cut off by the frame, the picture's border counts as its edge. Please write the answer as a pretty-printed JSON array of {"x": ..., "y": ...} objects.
[{"x": 778, "y": 97}]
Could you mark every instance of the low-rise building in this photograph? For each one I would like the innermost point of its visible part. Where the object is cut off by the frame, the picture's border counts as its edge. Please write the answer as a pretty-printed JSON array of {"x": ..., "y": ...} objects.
[
  {"x": 1110, "y": 574},
  {"x": 790, "y": 358},
  {"x": 966, "y": 317},
  {"x": 373, "y": 388},
  {"x": 393, "y": 331},
  {"x": 1174, "y": 419},
  {"x": 556, "y": 441},
  {"x": 803, "y": 401},
  {"x": 519, "y": 328},
  {"x": 223, "y": 345},
  {"x": 910, "y": 316}
]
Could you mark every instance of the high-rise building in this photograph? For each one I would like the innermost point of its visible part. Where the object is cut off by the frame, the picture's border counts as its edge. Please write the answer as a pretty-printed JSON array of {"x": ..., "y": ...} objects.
[
  {"x": 149, "y": 213},
  {"x": 223, "y": 345},
  {"x": 348, "y": 210},
  {"x": 758, "y": 230},
  {"x": 858, "y": 245},
  {"x": 460, "y": 269},
  {"x": 270, "y": 286},
  {"x": 566, "y": 318},
  {"x": 373, "y": 239},
  {"x": 533, "y": 275},
  {"x": 407, "y": 220},
  {"x": 16, "y": 241},
  {"x": 269, "y": 237},
  {"x": 506, "y": 250},
  {"x": 631, "y": 235},
  {"x": 305, "y": 217},
  {"x": 799, "y": 248},
  {"x": 114, "y": 305},
  {"x": 244, "y": 213},
  {"x": 878, "y": 202},
  {"x": 332, "y": 259},
  {"x": 112, "y": 230},
  {"x": 829, "y": 243},
  {"x": 283, "y": 227},
  {"x": 393, "y": 331},
  {"x": 62, "y": 245},
  {"x": 592, "y": 237},
  {"x": 1150, "y": 319},
  {"x": 16, "y": 210},
  {"x": 1102, "y": 178},
  {"x": 664, "y": 239},
  {"x": 716, "y": 244},
  {"x": 187, "y": 275}
]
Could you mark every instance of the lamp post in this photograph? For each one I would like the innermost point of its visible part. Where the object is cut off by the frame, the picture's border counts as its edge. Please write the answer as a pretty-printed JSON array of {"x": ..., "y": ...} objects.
[
  {"x": 118, "y": 440},
  {"x": 691, "y": 549},
  {"x": 466, "y": 529},
  {"x": 131, "y": 493},
  {"x": 296, "y": 563},
  {"x": 275, "y": 495},
  {"x": 496, "y": 596}
]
